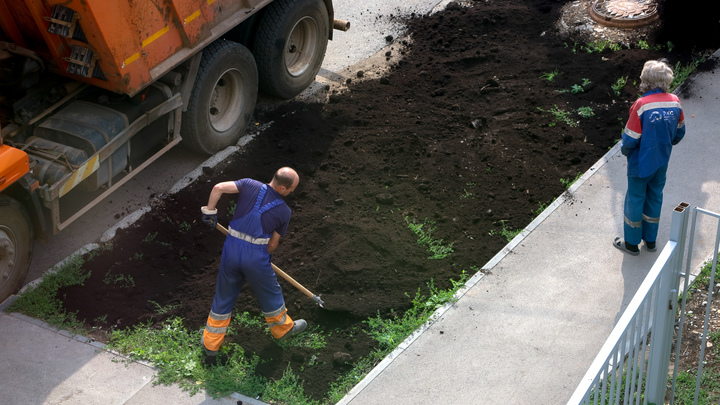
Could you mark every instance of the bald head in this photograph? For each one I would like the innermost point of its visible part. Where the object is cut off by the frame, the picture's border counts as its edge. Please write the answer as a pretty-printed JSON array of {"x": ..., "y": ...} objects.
[{"x": 285, "y": 180}]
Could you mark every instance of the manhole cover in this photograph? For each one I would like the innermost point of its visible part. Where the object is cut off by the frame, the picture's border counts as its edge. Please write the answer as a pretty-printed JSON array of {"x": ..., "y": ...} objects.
[{"x": 624, "y": 13}]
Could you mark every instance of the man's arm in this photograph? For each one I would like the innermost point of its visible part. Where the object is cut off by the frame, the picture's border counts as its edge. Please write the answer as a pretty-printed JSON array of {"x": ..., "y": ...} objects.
[
  {"x": 227, "y": 187},
  {"x": 274, "y": 240}
]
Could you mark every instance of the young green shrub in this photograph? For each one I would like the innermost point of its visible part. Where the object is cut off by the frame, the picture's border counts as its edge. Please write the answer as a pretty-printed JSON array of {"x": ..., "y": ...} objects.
[
  {"x": 596, "y": 46},
  {"x": 585, "y": 112},
  {"x": 551, "y": 76},
  {"x": 618, "y": 85}
]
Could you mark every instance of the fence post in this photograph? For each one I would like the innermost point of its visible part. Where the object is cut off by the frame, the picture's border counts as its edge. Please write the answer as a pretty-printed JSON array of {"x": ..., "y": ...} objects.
[{"x": 664, "y": 315}]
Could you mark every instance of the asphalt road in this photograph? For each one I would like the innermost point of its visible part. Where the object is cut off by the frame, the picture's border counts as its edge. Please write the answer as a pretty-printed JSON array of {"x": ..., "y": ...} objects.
[{"x": 371, "y": 23}]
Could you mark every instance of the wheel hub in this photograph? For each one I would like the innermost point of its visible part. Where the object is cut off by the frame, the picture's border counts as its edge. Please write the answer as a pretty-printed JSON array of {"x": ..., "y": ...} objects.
[
  {"x": 301, "y": 46},
  {"x": 7, "y": 257},
  {"x": 624, "y": 13},
  {"x": 225, "y": 104}
]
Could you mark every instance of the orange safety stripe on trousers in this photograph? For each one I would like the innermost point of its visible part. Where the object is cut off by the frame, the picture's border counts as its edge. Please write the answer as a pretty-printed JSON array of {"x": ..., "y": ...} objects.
[
  {"x": 279, "y": 324},
  {"x": 214, "y": 333}
]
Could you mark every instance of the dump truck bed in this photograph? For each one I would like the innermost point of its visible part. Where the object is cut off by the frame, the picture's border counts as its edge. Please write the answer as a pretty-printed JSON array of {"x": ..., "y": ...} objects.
[{"x": 119, "y": 45}]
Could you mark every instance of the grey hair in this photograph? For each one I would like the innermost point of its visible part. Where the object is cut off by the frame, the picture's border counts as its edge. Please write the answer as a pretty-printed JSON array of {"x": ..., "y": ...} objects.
[{"x": 655, "y": 74}]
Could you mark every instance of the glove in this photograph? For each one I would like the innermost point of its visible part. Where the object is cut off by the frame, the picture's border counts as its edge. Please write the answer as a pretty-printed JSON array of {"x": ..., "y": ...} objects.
[{"x": 209, "y": 217}]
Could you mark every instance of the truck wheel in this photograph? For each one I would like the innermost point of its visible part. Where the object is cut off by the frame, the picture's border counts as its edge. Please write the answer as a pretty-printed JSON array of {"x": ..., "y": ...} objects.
[
  {"x": 290, "y": 45},
  {"x": 15, "y": 246},
  {"x": 223, "y": 99}
]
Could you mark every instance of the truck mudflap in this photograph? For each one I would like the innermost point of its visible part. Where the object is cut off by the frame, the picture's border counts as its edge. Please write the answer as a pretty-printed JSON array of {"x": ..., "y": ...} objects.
[{"x": 14, "y": 164}]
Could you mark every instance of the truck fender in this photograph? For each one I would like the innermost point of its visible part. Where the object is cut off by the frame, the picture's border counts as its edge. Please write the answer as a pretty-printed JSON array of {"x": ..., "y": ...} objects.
[{"x": 24, "y": 192}]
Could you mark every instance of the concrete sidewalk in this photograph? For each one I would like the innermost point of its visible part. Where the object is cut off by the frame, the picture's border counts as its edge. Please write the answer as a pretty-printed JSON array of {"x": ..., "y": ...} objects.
[
  {"x": 43, "y": 365},
  {"x": 526, "y": 332}
]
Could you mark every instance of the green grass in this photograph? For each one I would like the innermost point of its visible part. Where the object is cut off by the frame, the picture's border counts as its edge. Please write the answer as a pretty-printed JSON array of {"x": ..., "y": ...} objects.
[
  {"x": 178, "y": 353},
  {"x": 173, "y": 349},
  {"x": 163, "y": 309},
  {"x": 701, "y": 280},
  {"x": 560, "y": 115},
  {"x": 121, "y": 280},
  {"x": 710, "y": 380},
  {"x": 569, "y": 182},
  {"x": 540, "y": 209},
  {"x": 709, "y": 387},
  {"x": 313, "y": 338},
  {"x": 508, "y": 233},
  {"x": 41, "y": 301},
  {"x": 424, "y": 233},
  {"x": 681, "y": 72},
  {"x": 389, "y": 332}
]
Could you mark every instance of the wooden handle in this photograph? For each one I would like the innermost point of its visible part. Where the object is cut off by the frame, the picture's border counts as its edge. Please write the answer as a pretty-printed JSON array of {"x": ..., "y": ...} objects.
[
  {"x": 291, "y": 280},
  {"x": 277, "y": 270}
]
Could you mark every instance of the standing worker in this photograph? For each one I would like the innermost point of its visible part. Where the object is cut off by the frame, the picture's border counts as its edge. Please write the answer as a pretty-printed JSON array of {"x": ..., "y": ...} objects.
[
  {"x": 656, "y": 124},
  {"x": 261, "y": 218}
]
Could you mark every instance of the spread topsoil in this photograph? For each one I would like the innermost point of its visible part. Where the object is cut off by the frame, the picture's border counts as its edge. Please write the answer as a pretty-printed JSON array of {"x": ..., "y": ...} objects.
[{"x": 457, "y": 134}]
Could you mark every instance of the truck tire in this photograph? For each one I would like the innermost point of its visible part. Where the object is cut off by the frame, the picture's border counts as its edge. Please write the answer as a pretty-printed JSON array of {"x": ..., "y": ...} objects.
[
  {"x": 223, "y": 99},
  {"x": 290, "y": 45},
  {"x": 15, "y": 246}
]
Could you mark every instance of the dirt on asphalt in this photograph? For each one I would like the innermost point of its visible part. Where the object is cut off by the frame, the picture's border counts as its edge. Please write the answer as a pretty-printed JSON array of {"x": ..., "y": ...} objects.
[{"x": 456, "y": 134}]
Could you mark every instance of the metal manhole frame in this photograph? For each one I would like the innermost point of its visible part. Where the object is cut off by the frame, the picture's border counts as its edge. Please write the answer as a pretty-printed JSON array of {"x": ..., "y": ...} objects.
[{"x": 597, "y": 15}]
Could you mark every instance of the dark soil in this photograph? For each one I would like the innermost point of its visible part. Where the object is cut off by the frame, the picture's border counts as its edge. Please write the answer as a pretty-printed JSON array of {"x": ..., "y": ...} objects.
[{"x": 452, "y": 134}]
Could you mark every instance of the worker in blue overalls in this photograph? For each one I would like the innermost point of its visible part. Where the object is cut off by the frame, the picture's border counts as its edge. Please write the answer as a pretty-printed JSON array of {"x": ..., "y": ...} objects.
[
  {"x": 261, "y": 218},
  {"x": 656, "y": 124}
]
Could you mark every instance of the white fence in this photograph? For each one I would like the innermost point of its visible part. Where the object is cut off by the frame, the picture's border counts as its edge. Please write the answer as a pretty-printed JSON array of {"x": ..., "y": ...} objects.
[{"x": 623, "y": 371}]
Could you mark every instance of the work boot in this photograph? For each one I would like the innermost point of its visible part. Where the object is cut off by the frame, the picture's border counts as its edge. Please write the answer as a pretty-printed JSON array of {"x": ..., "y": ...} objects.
[
  {"x": 298, "y": 327},
  {"x": 210, "y": 360},
  {"x": 214, "y": 358}
]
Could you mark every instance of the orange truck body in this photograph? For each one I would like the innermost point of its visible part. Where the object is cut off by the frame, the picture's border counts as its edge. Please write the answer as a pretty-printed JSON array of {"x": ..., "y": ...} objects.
[
  {"x": 14, "y": 163},
  {"x": 132, "y": 43}
]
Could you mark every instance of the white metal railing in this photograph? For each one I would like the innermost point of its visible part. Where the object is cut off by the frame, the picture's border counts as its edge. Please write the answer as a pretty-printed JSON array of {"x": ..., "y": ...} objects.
[
  {"x": 631, "y": 367},
  {"x": 708, "y": 305}
]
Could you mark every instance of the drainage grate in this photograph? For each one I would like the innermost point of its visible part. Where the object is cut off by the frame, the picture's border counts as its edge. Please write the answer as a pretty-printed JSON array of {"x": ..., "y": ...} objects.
[{"x": 624, "y": 13}]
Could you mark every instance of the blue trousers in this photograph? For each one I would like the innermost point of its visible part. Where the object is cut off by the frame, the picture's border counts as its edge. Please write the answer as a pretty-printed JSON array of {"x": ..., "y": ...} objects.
[
  {"x": 643, "y": 202},
  {"x": 241, "y": 262}
]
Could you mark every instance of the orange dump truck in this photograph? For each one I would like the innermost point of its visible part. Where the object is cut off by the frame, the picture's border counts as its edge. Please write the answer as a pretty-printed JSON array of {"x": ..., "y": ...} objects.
[{"x": 92, "y": 91}]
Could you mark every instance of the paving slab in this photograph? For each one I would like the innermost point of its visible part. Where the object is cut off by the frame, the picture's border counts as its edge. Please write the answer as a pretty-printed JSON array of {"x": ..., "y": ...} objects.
[{"x": 43, "y": 365}]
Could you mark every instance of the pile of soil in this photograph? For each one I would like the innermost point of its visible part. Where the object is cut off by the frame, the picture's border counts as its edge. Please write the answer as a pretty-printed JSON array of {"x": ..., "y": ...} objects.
[{"x": 456, "y": 134}]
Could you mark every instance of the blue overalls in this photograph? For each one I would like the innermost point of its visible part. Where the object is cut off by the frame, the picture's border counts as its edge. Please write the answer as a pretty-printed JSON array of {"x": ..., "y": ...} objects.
[
  {"x": 656, "y": 124},
  {"x": 245, "y": 258}
]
